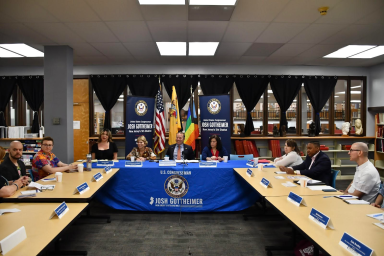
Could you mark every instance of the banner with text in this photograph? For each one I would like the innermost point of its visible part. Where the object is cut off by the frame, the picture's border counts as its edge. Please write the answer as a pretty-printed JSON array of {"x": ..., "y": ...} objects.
[
  {"x": 139, "y": 116},
  {"x": 215, "y": 119}
]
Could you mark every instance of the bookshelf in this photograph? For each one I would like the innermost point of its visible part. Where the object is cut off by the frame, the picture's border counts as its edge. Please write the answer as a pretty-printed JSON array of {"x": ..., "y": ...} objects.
[{"x": 379, "y": 143}]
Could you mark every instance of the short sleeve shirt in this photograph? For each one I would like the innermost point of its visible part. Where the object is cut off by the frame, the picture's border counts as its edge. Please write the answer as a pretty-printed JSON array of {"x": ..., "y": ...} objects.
[
  {"x": 42, "y": 159},
  {"x": 366, "y": 180}
]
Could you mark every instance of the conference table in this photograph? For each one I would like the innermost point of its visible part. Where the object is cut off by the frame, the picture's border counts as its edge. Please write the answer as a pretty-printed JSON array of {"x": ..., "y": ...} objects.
[
  {"x": 345, "y": 218},
  {"x": 182, "y": 187},
  {"x": 40, "y": 230}
]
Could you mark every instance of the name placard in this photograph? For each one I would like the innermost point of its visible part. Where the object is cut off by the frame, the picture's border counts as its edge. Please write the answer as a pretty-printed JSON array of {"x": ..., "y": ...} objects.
[
  {"x": 97, "y": 177},
  {"x": 60, "y": 211},
  {"x": 249, "y": 172},
  {"x": 296, "y": 199},
  {"x": 167, "y": 163},
  {"x": 105, "y": 163},
  {"x": 13, "y": 240},
  {"x": 354, "y": 246},
  {"x": 250, "y": 163},
  {"x": 82, "y": 188},
  {"x": 107, "y": 169},
  {"x": 320, "y": 219},
  {"x": 133, "y": 164},
  {"x": 265, "y": 183},
  {"x": 208, "y": 164}
]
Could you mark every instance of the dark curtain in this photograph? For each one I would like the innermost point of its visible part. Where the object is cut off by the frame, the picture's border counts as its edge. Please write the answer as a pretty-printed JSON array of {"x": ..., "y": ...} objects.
[
  {"x": 32, "y": 88},
  {"x": 250, "y": 88},
  {"x": 285, "y": 89},
  {"x": 182, "y": 85},
  {"x": 216, "y": 84},
  {"x": 7, "y": 85},
  {"x": 108, "y": 88},
  {"x": 143, "y": 85},
  {"x": 319, "y": 89}
]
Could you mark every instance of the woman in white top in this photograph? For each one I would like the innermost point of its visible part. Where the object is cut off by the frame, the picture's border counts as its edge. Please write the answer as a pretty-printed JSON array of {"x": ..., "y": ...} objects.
[{"x": 292, "y": 155}]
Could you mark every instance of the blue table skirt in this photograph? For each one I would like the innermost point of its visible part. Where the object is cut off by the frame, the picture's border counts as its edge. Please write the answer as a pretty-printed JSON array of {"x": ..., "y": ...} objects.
[{"x": 154, "y": 188}]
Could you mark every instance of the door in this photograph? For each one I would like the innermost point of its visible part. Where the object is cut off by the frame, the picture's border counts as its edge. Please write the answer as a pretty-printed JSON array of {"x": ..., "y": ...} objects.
[{"x": 81, "y": 114}]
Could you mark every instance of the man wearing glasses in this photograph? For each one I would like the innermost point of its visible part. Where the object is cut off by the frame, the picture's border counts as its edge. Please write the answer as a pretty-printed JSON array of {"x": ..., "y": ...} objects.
[
  {"x": 366, "y": 182},
  {"x": 46, "y": 163}
]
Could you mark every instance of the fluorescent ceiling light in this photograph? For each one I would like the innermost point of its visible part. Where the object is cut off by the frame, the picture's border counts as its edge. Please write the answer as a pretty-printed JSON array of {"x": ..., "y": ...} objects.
[
  {"x": 349, "y": 50},
  {"x": 162, "y": 2},
  {"x": 237, "y": 99},
  {"x": 7, "y": 54},
  {"x": 269, "y": 91},
  {"x": 120, "y": 99},
  {"x": 358, "y": 86},
  {"x": 337, "y": 96},
  {"x": 172, "y": 48},
  {"x": 372, "y": 53},
  {"x": 23, "y": 49},
  {"x": 356, "y": 101},
  {"x": 202, "y": 48},
  {"x": 352, "y": 92},
  {"x": 212, "y": 2}
]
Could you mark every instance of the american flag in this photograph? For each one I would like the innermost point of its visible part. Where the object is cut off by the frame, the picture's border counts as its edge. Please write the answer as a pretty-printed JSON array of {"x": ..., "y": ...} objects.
[{"x": 160, "y": 124}]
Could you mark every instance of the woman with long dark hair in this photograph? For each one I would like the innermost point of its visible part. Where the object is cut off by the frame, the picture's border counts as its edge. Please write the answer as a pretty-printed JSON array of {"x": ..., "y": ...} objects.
[
  {"x": 292, "y": 155},
  {"x": 214, "y": 150}
]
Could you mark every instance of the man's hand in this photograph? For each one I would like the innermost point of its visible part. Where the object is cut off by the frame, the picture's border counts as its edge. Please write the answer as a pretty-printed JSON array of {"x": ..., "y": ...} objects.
[
  {"x": 376, "y": 205},
  {"x": 286, "y": 169}
]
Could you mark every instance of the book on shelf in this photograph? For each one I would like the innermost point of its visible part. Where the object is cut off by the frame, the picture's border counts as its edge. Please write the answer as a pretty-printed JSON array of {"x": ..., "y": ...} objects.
[
  {"x": 380, "y": 118},
  {"x": 379, "y": 132},
  {"x": 239, "y": 147}
]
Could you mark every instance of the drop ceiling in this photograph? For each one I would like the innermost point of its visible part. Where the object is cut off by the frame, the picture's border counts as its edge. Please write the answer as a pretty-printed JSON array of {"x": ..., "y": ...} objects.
[{"x": 253, "y": 32}]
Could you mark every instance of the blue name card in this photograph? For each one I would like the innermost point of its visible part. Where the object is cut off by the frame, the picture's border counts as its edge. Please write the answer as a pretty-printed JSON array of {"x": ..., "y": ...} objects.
[
  {"x": 269, "y": 166},
  {"x": 249, "y": 172},
  {"x": 107, "y": 169},
  {"x": 82, "y": 188},
  {"x": 133, "y": 164},
  {"x": 105, "y": 163},
  {"x": 265, "y": 183},
  {"x": 208, "y": 164},
  {"x": 97, "y": 177},
  {"x": 296, "y": 199},
  {"x": 320, "y": 219},
  {"x": 354, "y": 246},
  {"x": 60, "y": 211},
  {"x": 250, "y": 163}
]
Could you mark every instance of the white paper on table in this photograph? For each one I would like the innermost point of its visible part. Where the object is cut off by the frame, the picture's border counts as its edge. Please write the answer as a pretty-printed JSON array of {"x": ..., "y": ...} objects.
[
  {"x": 356, "y": 201},
  {"x": 313, "y": 181},
  {"x": 377, "y": 216},
  {"x": 189, "y": 161},
  {"x": 29, "y": 192},
  {"x": 2, "y": 211},
  {"x": 346, "y": 197},
  {"x": 280, "y": 172},
  {"x": 294, "y": 177},
  {"x": 279, "y": 177},
  {"x": 320, "y": 187},
  {"x": 380, "y": 225},
  {"x": 288, "y": 184},
  {"x": 34, "y": 185}
]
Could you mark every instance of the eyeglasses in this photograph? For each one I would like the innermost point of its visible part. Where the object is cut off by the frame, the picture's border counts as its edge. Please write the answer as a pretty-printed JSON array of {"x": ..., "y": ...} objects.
[
  {"x": 354, "y": 150},
  {"x": 47, "y": 145}
]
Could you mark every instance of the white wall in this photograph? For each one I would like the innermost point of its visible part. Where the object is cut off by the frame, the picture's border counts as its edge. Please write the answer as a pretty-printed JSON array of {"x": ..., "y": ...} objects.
[{"x": 375, "y": 94}]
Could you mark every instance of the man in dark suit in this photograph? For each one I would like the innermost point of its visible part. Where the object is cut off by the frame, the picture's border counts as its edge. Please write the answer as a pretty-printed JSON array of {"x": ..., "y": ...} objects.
[
  {"x": 316, "y": 165},
  {"x": 175, "y": 151},
  {"x": 13, "y": 168}
]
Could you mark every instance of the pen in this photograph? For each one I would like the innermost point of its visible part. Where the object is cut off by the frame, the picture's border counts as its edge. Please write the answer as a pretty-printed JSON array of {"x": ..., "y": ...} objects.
[{"x": 327, "y": 196}]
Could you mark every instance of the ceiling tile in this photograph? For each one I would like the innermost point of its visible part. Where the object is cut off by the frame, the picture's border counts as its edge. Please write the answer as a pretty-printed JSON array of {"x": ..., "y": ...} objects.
[
  {"x": 168, "y": 31},
  {"x": 348, "y": 62},
  {"x": 5, "y": 39},
  {"x": 316, "y": 33},
  {"x": 291, "y": 49},
  {"x": 350, "y": 34},
  {"x": 4, "y": 18},
  {"x": 23, "y": 34},
  {"x": 251, "y": 60},
  {"x": 114, "y": 10},
  {"x": 84, "y": 50},
  {"x": 17, "y": 62},
  {"x": 260, "y": 49},
  {"x": 347, "y": 12},
  {"x": 257, "y": 10},
  {"x": 376, "y": 17},
  {"x": 130, "y": 31},
  {"x": 321, "y": 62},
  {"x": 210, "y": 13},
  {"x": 57, "y": 32},
  {"x": 280, "y": 32},
  {"x": 232, "y": 49},
  {"x": 276, "y": 60},
  {"x": 164, "y": 12},
  {"x": 69, "y": 10},
  {"x": 143, "y": 49},
  {"x": 320, "y": 50},
  {"x": 26, "y": 11},
  {"x": 243, "y": 32},
  {"x": 299, "y": 60},
  {"x": 206, "y": 31},
  {"x": 96, "y": 32},
  {"x": 376, "y": 37},
  {"x": 112, "y": 49}
]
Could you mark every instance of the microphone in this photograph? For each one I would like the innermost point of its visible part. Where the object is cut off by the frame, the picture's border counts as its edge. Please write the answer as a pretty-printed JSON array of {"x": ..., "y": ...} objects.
[{"x": 183, "y": 154}]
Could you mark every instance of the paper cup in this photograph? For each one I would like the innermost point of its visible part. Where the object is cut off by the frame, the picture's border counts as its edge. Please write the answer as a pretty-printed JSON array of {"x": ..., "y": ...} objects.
[
  {"x": 59, "y": 176},
  {"x": 80, "y": 167},
  {"x": 132, "y": 159},
  {"x": 225, "y": 159},
  {"x": 256, "y": 160},
  {"x": 166, "y": 158},
  {"x": 303, "y": 183}
]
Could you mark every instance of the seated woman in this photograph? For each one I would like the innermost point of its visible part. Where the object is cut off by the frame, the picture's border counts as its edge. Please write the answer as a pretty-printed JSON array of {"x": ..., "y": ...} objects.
[
  {"x": 142, "y": 152},
  {"x": 214, "y": 150},
  {"x": 292, "y": 155},
  {"x": 105, "y": 148}
]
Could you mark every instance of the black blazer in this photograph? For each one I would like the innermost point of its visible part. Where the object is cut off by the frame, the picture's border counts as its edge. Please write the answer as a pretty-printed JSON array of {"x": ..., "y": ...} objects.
[
  {"x": 320, "y": 170},
  {"x": 188, "y": 152},
  {"x": 9, "y": 171}
]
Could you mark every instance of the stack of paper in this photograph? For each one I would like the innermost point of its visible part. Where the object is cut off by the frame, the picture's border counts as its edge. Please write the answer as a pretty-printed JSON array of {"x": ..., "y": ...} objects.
[
  {"x": 288, "y": 184},
  {"x": 320, "y": 187},
  {"x": 280, "y": 177},
  {"x": 345, "y": 197},
  {"x": 356, "y": 202}
]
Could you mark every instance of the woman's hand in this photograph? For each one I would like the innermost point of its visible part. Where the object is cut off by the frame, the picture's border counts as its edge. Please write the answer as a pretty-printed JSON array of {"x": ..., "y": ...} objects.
[
  {"x": 220, "y": 159},
  {"x": 142, "y": 159},
  {"x": 213, "y": 158}
]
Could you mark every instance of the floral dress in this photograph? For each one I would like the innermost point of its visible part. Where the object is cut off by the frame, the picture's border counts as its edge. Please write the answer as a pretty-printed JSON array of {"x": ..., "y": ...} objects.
[{"x": 147, "y": 154}]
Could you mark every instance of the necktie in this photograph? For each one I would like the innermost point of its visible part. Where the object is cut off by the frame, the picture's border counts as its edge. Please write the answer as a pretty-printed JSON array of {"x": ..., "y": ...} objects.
[{"x": 178, "y": 153}]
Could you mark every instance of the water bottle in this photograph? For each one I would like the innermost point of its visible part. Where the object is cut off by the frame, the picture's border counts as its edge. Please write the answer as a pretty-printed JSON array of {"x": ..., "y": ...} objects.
[{"x": 89, "y": 162}]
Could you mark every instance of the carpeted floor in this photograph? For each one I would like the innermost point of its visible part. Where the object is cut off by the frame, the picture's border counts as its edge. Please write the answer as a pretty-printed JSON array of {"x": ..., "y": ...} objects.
[{"x": 142, "y": 233}]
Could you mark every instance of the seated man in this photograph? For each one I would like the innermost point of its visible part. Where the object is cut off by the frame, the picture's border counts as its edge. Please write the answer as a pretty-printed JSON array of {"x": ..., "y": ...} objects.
[
  {"x": 13, "y": 168},
  {"x": 175, "y": 151},
  {"x": 366, "y": 183},
  {"x": 316, "y": 165},
  {"x": 46, "y": 163},
  {"x": 379, "y": 199}
]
